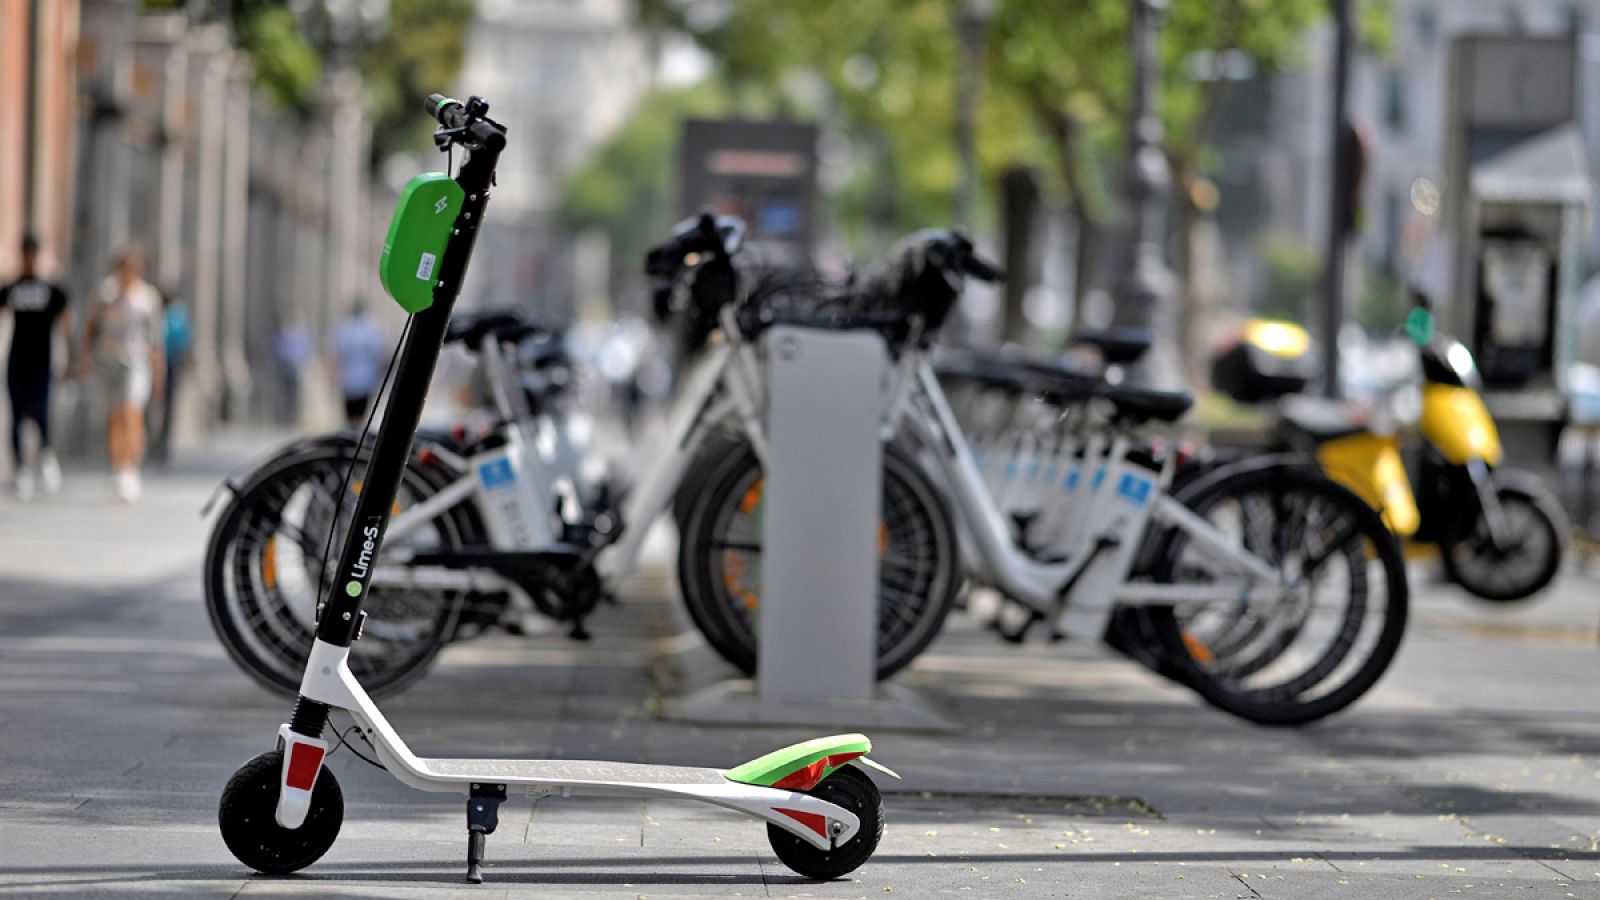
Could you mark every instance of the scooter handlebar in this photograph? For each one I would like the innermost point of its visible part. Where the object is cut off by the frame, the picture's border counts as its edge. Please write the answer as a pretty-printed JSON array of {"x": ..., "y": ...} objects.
[{"x": 454, "y": 114}]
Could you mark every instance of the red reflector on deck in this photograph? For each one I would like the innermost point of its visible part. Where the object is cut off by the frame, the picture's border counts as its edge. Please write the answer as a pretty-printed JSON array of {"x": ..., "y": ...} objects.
[{"x": 813, "y": 821}]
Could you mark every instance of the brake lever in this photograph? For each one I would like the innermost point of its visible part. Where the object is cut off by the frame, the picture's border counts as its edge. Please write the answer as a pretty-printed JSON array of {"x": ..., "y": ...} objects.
[{"x": 443, "y": 138}]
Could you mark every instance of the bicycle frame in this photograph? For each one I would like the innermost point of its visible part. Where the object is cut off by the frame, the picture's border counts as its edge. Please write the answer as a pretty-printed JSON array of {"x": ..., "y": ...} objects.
[
  {"x": 723, "y": 385},
  {"x": 1080, "y": 591}
]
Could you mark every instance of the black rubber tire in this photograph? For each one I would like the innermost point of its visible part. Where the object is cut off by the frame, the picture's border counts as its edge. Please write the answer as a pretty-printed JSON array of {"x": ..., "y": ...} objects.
[
  {"x": 247, "y": 816},
  {"x": 852, "y": 789},
  {"x": 239, "y": 600},
  {"x": 1540, "y": 509},
  {"x": 1306, "y": 697},
  {"x": 717, "y": 447},
  {"x": 728, "y": 623}
]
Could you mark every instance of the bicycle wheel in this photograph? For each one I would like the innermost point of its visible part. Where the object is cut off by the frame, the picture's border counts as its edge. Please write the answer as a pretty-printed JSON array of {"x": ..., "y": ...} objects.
[
  {"x": 1538, "y": 529},
  {"x": 1314, "y": 646},
  {"x": 719, "y": 561},
  {"x": 264, "y": 576}
]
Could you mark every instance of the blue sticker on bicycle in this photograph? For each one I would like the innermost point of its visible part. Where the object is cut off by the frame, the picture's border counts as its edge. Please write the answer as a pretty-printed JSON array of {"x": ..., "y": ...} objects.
[
  {"x": 1072, "y": 481},
  {"x": 496, "y": 473},
  {"x": 1099, "y": 476},
  {"x": 1134, "y": 489}
]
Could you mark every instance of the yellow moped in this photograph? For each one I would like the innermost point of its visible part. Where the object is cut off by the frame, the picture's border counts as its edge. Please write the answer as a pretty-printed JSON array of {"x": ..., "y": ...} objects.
[{"x": 1501, "y": 534}]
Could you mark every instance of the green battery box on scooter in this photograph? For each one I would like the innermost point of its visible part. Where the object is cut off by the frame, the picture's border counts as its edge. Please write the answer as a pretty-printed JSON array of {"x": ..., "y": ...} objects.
[{"x": 418, "y": 232}]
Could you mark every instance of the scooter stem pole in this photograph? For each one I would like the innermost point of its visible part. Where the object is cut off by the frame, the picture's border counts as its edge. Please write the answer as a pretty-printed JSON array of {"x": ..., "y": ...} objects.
[{"x": 341, "y": 616}]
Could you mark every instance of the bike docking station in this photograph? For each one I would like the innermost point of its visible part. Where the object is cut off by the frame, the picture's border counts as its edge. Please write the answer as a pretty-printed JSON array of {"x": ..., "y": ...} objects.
[{"x": 822, "y": 487}]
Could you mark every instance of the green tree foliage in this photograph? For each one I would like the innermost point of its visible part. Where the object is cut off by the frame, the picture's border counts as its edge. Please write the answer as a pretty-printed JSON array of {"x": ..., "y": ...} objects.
[
  {"x": 286, "y": 65},
  {"x": 419, "y": 52},
  {"x": 627, "y": 188},
  {"x": 1056, "y": 75},
  {"x": 417, "y": 49}
]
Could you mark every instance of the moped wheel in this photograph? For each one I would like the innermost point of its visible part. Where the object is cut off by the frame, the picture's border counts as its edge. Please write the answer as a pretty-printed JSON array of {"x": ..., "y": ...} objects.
[
  {"x": 850, "y": 788},
  {"x": 719, "y": 561},
  {"x": 1538, "y": 529},
  {"x": 248, "y": 817},
  {"x": 1331, "y": 636},
  {"x": 263, "y": 578}
]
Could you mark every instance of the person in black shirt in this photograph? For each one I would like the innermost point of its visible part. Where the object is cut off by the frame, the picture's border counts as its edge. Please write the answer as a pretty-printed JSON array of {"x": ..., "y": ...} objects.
[{"x": 37, "y": 307}]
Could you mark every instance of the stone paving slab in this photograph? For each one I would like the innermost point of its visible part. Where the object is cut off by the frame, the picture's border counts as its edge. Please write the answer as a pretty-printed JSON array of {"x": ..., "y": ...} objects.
[{"x": 1474, "y": 768}]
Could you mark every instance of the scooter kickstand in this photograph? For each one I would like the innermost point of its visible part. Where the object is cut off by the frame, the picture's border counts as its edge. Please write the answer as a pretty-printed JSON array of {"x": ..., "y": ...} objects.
[{"x": 483, "y": 817}]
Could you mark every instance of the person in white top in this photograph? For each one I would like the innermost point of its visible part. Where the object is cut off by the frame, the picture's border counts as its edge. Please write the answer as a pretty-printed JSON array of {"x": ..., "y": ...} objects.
[{"x": 122, "y": 349}]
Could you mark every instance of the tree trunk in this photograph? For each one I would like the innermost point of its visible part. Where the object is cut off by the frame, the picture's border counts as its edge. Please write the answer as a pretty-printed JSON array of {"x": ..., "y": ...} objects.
[{"x": 1064, "y": 131}]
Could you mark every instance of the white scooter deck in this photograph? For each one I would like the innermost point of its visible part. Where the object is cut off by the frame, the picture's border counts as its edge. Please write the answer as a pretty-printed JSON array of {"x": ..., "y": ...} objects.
[{"x": 328, "y": 680}]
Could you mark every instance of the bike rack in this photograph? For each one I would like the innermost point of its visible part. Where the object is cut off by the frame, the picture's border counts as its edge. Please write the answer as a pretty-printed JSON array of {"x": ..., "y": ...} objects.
[{"x": 818, "y": 622}]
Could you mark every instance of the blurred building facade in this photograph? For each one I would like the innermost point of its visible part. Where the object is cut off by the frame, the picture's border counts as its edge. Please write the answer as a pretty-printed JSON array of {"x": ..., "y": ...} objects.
[
  {"x": 562, "y": 75},
  {"x": 144, "y": 128},
  {"x": 38, "y": 71},
  {"x": 1400, "y": 101}
]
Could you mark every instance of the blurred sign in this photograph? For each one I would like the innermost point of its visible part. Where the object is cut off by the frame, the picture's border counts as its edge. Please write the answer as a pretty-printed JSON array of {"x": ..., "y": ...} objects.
[
  {"x": 763, "y": 172},
  {"x": 1517, "y": 81},
  {"x": 1517, "y": 184}
]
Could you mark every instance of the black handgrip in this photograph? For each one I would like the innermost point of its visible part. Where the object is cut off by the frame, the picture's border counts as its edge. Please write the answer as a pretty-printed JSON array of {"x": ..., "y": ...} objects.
[
  {"x": 441, "y": 107},
  {"x": 453, "y": 114}
]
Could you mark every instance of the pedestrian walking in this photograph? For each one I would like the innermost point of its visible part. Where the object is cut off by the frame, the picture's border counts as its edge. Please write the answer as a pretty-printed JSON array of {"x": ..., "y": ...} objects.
[
  {"x": 123, "y": 340},
  {"x": 292, "y": 348},
  {"x": 178, "y": 335},
  {"x": 38, "y": 307},
  {"x": 359, "y": 353}
]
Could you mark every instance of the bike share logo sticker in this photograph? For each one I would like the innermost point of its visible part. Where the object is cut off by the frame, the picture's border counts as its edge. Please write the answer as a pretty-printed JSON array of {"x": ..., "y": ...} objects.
[
  {"x": 425, "y": 268},
  {"x": 1134, "y": 489},
  {"x": 497, "y": 473},
  {"x": 363, "y": 564}
]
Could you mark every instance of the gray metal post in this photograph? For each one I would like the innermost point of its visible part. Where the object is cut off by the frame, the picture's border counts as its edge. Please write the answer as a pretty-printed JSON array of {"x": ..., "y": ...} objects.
[
  {"x": 235, "y": 252},
  {"x": 206, "y": 362},
  {"x": 1145, "y": 288},
  {"x": 1339, "y": 190},
  {"x": 819, "y": 561},
  {"x": 972, "y": 21}
]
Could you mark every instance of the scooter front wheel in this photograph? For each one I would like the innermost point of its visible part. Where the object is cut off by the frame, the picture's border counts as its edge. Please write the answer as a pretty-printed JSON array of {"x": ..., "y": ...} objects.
[
  {"x": 248, "y": 816},
  {"x": 850, "y": 788}
]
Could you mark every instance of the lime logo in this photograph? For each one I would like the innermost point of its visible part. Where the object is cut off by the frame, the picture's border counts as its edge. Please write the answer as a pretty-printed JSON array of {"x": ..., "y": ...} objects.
[
  {"x": 441, "y": 205},
  {"x": 353, "y": 589}
]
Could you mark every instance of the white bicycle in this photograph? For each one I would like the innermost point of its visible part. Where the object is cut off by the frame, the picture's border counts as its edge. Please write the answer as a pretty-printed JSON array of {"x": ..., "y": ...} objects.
[
  {"x": 1276, "y": 594},
  {"x": 486, "y": 531}
]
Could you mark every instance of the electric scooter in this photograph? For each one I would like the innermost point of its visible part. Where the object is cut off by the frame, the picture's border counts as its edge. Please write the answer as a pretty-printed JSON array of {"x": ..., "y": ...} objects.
[{"x": 281, "y": 811}]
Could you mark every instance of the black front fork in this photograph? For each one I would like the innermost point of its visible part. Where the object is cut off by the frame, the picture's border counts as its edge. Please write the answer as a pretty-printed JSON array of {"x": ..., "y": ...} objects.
[{"x": 340, "y": 621}]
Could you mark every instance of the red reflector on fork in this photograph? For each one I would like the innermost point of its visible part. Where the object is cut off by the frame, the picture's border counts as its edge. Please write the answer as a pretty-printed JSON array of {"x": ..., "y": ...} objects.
[{"x": 304, "y": 761}]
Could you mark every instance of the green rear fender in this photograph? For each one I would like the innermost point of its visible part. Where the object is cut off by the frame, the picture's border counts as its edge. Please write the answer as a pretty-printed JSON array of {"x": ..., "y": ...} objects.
[{"x": 801, "y": 767}]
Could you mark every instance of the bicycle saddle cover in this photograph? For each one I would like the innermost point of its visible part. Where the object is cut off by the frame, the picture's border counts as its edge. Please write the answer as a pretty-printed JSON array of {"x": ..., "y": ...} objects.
[{"x": 505, "y": 323}]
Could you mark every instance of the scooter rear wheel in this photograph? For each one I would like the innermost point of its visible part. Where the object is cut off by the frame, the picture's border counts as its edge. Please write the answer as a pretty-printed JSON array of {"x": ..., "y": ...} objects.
[
  {"x": 248, "y": 816},
  {"x": 850, "y": 788}
]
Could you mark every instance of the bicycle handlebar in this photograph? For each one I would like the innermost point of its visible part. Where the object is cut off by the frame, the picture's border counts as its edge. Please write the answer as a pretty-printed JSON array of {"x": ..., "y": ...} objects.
[
  {"x": 983, "y": 270},
  {"x": 461, "y": 117}
]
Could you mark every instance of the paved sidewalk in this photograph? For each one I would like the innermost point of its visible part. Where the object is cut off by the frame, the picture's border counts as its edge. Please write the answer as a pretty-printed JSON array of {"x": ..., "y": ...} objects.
[{"x": 1473, "y": 769}]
